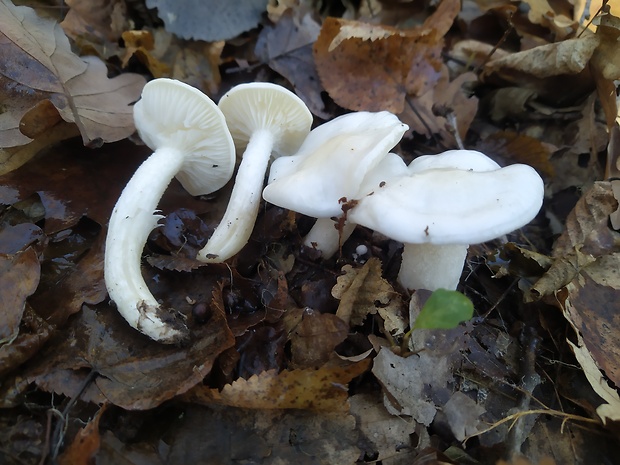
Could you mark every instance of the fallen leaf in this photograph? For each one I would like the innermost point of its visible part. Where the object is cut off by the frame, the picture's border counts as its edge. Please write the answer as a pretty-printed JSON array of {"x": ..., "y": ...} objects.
[
  {"x": 85, "y": 445},
  {"x": 37, "y": 64},
  {"x": 269, "y": 437},
  {"x": 135, "y": 373},
  {"x": 422, "y": 118},
  {"x": 404, "y": 382},
  {"x": 287, "y": 48},
  {"x": 372, "y": 67},
  {"x": 463, "y": 414},
  {"x": 314, "y": 338},
  {"x": 141, "y": 44},
  {"x": 209, "y": 20},
  {"x": 391, "y": 437},
  {"x": 20, "y": 277},
  {"x": 570, "y": 56},
  {"x": 363, "y": 291},
  {"x": 322, "y": 389}
]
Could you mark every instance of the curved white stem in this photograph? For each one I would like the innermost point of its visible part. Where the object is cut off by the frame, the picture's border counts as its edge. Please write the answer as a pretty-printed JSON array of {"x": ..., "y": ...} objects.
[
  {"x": 324, "y": 236},
  {"x": 237, "y": 224},
  {"x": 131, "y": 222},
  {"x": 430, "y": 266}
]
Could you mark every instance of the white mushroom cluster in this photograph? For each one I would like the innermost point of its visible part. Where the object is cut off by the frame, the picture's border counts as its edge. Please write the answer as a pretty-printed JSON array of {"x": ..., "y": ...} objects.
[{"x": 436, "y": 206}]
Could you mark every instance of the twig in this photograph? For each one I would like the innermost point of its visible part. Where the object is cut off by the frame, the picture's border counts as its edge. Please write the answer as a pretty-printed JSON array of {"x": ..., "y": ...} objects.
[{"x": 529, "y": 380}]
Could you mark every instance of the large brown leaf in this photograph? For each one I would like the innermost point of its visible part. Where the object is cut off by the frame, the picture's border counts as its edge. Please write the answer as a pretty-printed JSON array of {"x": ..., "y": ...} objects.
[{"x": 37, "y": 64}]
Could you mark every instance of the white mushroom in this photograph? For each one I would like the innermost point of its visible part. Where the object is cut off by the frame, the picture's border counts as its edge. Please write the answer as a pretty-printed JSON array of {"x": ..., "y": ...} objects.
[
  {"x": 190, "y": 139},
  {"x": 447, "y": 202},
  {"x": 266, "y": 119},
  {"x": 339, "y": 161}
]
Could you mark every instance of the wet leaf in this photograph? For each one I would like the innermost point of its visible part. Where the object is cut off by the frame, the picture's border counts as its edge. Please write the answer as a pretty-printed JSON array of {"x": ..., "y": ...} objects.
[
  {"x": 38, "y": 65},
  {"x": 444, "y": 310},
  {"x": 19, "y": 275}
]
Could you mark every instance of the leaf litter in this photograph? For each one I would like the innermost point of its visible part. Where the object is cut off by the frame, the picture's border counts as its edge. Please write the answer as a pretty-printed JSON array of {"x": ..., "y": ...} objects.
[{"x": 293, "y": 358}]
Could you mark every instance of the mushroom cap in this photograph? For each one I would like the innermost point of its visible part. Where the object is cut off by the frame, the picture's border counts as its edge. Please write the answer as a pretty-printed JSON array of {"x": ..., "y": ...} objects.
[
  {"x": 176, "y": 115},
  {"x": 262, "y": 105},
  {"x": 452, "y": 206},
  {"x": 457, "y": 159},
  {"x": 332, "y": 163}
]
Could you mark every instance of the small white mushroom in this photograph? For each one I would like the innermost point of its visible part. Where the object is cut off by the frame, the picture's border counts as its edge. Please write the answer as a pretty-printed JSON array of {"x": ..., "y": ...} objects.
[
  {"x": 339, "y": 161},
  {"x": 264, "y": 119},
  {"x": 190, "y": 139},
  {"x": 447, "y": 202}
]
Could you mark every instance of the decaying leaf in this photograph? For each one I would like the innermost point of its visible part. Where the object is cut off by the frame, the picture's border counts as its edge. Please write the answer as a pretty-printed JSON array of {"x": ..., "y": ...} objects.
[
  {"x": 404, "y": 381},
  {"x": 209, "y": 20},
  {"x": 287, "y": 48},
  {"x": 37, "y": 64},
  {"x": 586, "y": 237},
  {"x": 463, "y": 415},
  {"x": 391, "y": 437},
  {"x": 570, "y": 56},
  {"x": 314, "y": 337},
  {"x": 269, "y": 437},
  {"x": 372, "y": 67},
  {"x": 421, "y": 115},
  {"x": 19, "y": 275},
  {"x": 85, "y": 444},
  {"x": 322, "y": 389},
  {"x": 610, "y": 410},
  {"x": 141, "y": 44},
  {"x": 363, "y": 291}
]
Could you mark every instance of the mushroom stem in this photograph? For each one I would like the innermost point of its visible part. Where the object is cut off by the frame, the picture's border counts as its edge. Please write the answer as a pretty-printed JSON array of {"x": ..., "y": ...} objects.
[
  {"x": 132, "y": 219},
  {"x": 237, "y": 223},
  {"x": 326, "y": 237},
  {"x": 432, "y": 266}
]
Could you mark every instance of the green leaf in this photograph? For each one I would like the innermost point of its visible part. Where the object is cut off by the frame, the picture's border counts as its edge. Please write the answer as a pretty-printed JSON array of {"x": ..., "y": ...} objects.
[{"x": 444, "y": 310}]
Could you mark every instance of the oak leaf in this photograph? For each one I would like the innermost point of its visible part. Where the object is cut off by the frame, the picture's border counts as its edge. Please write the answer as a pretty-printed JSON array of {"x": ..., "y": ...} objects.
[{"x": 37, "y": 64}]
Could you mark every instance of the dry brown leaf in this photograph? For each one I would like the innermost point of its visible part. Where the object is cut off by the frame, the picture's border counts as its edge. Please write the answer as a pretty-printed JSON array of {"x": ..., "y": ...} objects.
[
  {"x": 141, "y": 44},
  {"x": 322, "y": 389},
  {"x": 101, "y": 20},
  {"x": 363, "y": 291},
  {"x": 422, "y": 118},
  {"x": 85, "y": 445},
  {"x": 567, "y": 57},
  {"x": 372, "y": 67},
  {"x": 606, "y": 58},
  {"x": 39, "y": 65}
]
